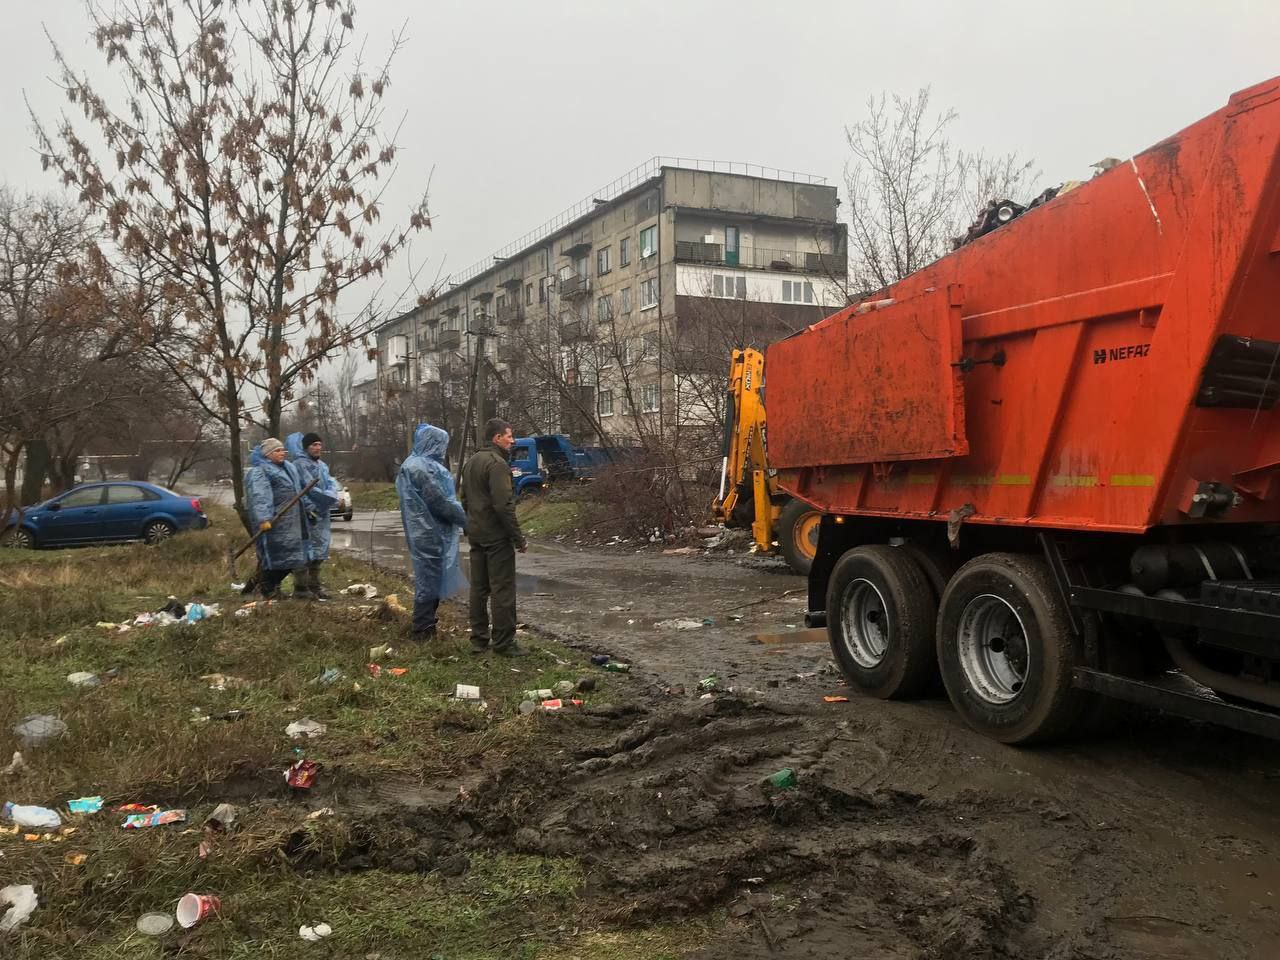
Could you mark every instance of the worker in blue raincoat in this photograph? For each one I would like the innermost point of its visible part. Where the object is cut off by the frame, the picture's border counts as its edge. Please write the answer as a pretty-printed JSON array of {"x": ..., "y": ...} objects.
[
  {"x": 433, "y": 521},
  {"x": 269, "y": 484},
  {"x": 305, "y": 449}
]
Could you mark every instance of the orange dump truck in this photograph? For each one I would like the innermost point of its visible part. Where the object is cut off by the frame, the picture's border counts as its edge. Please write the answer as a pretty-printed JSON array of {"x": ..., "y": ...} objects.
[{"x": 1049, "y": 463}]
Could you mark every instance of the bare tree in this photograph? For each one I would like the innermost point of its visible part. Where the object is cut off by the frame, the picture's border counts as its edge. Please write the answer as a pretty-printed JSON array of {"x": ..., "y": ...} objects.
[
  {"x": 242, "y": 176},
  {"x": 910, "y": 190}
]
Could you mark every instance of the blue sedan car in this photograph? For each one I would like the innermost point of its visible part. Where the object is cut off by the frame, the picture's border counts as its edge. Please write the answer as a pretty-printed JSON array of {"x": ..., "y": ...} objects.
[{"x": 105, "y": 512}]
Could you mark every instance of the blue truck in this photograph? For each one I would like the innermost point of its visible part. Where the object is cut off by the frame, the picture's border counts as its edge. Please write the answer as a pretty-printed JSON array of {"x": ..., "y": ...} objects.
[{"x": 550, "y": 458}]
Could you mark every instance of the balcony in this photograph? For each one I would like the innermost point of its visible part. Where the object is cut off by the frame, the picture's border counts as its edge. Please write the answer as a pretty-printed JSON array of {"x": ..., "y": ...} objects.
[
  {"x": 577, "y": 245},
  {"x": 448, "y": 339},
  {"x": 574, "y": 287},
  {"x": 575, "y": 330},
  {"x": 510, "y": 313},
  {"x": 762, "y": 258}
]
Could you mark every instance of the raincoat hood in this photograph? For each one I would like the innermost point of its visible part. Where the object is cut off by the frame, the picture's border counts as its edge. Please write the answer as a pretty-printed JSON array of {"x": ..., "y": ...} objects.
[
  {"x": 256, "y": 459},
  {"x": 293, "y": 443},
  {"x": 429, "y": 441}
]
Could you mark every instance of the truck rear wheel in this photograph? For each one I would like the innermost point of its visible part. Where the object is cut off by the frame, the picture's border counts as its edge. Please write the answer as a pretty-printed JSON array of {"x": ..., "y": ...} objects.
[
  {"x": 880, "y": 616},
  {"x": 797, "y": 534},
  {"x": 1006, "y": 650}
]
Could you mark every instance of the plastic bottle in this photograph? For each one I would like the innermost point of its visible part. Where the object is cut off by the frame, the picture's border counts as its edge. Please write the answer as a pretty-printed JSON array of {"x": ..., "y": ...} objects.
[
  {"x": 613, "y": 666},
  {"x": 28, "y": 816}
]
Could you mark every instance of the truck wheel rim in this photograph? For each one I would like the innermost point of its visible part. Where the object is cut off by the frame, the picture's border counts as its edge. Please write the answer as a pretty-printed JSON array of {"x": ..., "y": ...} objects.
[
  {"x": 864, "y": 623},
  {"x": 806, "y": 534},
  {"x": 992, "y": 644}
]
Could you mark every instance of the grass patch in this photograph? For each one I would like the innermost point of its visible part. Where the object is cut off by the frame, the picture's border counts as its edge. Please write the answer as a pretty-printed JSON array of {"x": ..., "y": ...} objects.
[
  {"x": 374, "y": 496},
  {"x": 541, "y": 516},
  {"x": 133, "y": 739}
]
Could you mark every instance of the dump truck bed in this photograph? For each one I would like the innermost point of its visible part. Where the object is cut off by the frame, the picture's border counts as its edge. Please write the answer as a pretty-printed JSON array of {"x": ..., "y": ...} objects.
[{"x": 1098, "y": 363}]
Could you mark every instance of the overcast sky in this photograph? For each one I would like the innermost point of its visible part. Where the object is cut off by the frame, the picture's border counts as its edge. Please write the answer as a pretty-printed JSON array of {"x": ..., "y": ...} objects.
[{"x": 524, "y": 108}]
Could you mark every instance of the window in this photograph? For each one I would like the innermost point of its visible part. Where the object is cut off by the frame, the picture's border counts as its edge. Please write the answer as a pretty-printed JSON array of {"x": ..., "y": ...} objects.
[
  {"x": 649, "y": 398},
  {"x": 602, "y": 261},
  {"x": 119, "y": 493},
  {"x": 624, "y": 300},
  {"x": 604, "y": 308},
  {"x": 648, "y": 241},
  {"x": 528, "y": 294},
  {"x": 542, "y": 289},
  {"x": 649, "y": 347},
  {"x": 500, "y": 302},
  {"x": 624, "y": 251},
  {"x": 91, "y": 497},
  {"x": 795, "y": 291},
  {"x": 723, "y": 286},
  {"x": 648, "y": 293},
  {"x": 606, "y": 403}
]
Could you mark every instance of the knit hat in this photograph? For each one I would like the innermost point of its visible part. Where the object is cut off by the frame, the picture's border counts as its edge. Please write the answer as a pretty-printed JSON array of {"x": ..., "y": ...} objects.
[
  {"x": 309, "y": 438},
  {"x": 270, "y": 446}
]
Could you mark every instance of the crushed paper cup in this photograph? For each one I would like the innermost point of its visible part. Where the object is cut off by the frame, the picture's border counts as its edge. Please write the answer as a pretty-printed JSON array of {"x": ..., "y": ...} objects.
[
  {"x": 465, "y": 691},
  {"x": 195, "y": 908}
]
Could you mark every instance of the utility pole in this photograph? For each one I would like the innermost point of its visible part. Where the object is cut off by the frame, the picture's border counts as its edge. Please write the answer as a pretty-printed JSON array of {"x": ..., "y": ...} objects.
[{"x": 476, "y": 394}]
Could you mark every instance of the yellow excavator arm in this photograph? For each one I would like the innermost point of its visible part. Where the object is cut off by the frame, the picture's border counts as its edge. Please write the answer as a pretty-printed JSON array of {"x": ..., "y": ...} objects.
[{"x": 745, "y": 472}]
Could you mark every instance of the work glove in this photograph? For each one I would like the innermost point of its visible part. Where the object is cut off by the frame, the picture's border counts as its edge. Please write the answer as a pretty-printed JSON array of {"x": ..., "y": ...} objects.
[
  {"x": 264, "y": 526},
  {"x": 313, "y": 517}
]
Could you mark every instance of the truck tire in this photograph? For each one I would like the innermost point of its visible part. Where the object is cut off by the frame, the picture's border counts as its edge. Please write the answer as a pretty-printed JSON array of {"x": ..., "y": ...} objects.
[
  {"x": 797, "y": 534},
  {"x": 1006, "y": 650},
  {"x": 938, "y": 563},
  {"x": 880, "y": 617}
]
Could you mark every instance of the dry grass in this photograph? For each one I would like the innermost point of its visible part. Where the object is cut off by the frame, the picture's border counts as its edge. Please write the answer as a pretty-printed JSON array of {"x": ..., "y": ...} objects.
[{"x": 133, "y": 740}]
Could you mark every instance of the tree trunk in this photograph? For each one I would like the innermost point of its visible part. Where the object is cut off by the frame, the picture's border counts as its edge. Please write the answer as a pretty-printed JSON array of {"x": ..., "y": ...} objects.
[
  {"x": 237, "y": 464},
  {"x": 37, "y": 467}
]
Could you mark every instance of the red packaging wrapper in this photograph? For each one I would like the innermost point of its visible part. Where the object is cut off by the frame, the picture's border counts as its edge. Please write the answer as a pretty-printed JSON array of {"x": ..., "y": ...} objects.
[
  {"x": 302, "y": 775},
  {"x": 375, "y": 670}
]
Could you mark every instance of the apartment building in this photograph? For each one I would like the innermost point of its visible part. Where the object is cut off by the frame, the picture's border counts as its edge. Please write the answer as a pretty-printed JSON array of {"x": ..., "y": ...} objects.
[{"x": 616, "y": 317}]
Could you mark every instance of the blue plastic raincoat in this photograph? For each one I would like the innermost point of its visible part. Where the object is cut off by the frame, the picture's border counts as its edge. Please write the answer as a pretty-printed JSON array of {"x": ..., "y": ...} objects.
[
  {"x": 433, "y": 517},
  {"x": 267, "y": 488},
  {"x": 319, "y": 500}
]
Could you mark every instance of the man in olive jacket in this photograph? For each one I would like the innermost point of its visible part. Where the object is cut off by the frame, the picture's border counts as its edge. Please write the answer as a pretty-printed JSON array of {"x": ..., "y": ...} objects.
[{"x": 495, "y": 537}]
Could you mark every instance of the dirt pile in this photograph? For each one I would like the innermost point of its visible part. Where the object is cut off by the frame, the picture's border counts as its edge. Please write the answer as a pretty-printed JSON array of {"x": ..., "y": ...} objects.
[{"x": 671, "y": 814}]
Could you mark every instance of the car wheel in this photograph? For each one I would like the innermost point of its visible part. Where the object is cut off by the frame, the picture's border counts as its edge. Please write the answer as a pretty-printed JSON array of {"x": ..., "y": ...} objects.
[
  {"x": 348, "y": 515},
  {"x": 157, "y": 531},
  {"x": 19, "y": 539}
]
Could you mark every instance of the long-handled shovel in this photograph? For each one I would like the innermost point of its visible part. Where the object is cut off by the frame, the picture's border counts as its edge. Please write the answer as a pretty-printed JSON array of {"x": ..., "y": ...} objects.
[{"x": 232, "y": 557}]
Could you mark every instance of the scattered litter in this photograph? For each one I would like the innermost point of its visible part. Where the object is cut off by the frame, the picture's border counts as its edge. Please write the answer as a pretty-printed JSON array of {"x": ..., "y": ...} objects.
[
  {"x": 302, "y": 775},
  {"x": 322, "y": 812},
  {"x": 160, "y": 818},
  {"x": 196, "y": 612},
  {"x": 103, "y": 625},
  {"x": 22, "y": 901},
  {"x": 85, "y": 805},
  {"x": 39, "y": 728},
  {"x": 709, "y": 683},
  {"x": 679, "y": 550},
  {"x": 682, "y": 624},
  {"x": 155, "y": 924},
  {"x": 137, "y": 808},
  {"x": 237, "y": 588},
  {"x": 330, "y": 675},
  {"x": 392, "y": 603},
  {"x": 25, "y": 815},
  {"x": 600, "y": 659},
  {"x": 380, "y": 651},
  {"x": 75, "y": 859},
  {"x": 174, "y": 609},
  {"x": 835, "y": 699},
  {"x": 223, "y": 681},
  {"x": 312, "y": 934},
  {"x": 465, "y": 691},
  {"x": 544, "y": 693},
  {"x": 82, "y": 678},
  {"x": 784, "y": 778},
  {"x": 708, "y": 622},
  {"x": 305, "y": 728},
  {"x": 616, "y": 666},
  {"x": 707, "y": 696},
  {"x": 61, "y": 640},
  {"x": 676, "y": 690},
  {"x": 527, "y": 707},
  {"x": 586, "y": 685},
  {"x": 560, "y": 704},
  {"x": 564, "y": 686},
  {"x": 195, "y": 907},
  {"x": 366, "y": 590},
  {"x": 16, "y": 765},
  {"x": 203, "y": 849},
  {"x": 222, "y": 818},
  {"x": 397, "y": 671}
]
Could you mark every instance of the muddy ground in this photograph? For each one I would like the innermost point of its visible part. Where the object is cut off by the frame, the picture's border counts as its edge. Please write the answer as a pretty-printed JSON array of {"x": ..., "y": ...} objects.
[{"x": 906, "y": 836}]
